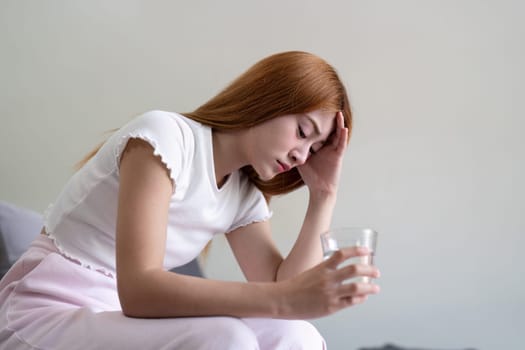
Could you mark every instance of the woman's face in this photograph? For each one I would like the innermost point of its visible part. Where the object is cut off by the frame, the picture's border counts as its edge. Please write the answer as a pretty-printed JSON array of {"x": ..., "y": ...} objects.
[{"x": 283, "y": 143}]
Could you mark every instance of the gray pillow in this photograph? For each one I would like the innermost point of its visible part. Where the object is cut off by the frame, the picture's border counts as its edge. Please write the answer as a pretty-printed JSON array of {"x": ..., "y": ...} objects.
[{"x": 18, "y": 228}]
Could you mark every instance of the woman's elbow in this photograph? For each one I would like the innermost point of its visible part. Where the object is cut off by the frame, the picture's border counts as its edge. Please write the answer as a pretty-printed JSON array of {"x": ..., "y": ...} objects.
[
  {"x": 130, "y": 303},
  {"x": 133, "y": 299}
]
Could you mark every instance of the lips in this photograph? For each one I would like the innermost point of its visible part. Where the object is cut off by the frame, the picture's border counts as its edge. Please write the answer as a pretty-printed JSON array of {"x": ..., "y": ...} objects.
[{"x": 283, "y": 167}]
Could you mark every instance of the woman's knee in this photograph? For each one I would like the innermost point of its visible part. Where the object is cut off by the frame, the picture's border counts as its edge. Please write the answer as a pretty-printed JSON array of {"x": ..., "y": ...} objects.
[
  {"x": 286, "y": 334},
  {"x": 301, "y": 335},
  {"x": 231, "y": 333}
]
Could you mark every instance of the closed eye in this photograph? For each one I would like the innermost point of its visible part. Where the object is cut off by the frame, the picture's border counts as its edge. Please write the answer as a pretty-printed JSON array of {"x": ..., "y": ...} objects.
[{"x": 301, "y": 133}]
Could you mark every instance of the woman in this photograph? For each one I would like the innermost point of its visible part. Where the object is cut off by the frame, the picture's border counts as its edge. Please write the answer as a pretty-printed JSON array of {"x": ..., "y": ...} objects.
[{"x": 154, "y": 194}]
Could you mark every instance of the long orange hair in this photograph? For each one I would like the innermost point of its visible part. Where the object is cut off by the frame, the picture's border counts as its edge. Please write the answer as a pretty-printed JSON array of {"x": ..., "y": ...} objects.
[{"x": 284, "y": 83}]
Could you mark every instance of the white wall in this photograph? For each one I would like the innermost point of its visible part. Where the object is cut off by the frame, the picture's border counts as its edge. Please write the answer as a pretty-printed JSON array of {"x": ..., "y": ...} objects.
[{"x": 436, "y": 162}]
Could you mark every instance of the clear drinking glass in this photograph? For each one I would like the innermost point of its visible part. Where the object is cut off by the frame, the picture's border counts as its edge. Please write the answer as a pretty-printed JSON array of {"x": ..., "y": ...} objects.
[{"x": 337, "y": 238}]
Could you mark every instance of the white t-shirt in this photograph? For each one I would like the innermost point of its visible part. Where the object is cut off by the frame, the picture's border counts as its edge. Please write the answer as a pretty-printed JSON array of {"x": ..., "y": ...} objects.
[{"x": 82, "y": 221}]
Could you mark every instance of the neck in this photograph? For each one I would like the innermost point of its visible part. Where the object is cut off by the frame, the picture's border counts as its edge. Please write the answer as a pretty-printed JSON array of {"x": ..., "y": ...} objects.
[{"x": 227, "y": 154}]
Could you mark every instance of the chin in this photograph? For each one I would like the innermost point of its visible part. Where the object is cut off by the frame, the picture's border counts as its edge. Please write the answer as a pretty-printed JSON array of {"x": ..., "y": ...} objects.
[{"x": 266, "y": 176}]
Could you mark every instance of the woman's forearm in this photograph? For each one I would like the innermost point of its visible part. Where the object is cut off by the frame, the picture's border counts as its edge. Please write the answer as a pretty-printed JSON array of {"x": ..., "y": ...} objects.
[
  {"x": 307, "y": 250},
  {"x": 315, "y": 293},
  {"x": 159, "y": 293}
]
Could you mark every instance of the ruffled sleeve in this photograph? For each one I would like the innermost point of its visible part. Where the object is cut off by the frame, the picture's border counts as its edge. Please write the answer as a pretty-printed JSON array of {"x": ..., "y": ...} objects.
[{"x": 168, "y": 134}]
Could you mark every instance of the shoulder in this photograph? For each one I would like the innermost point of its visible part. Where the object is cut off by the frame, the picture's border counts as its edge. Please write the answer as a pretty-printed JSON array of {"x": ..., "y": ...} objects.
[
  {"x": 172, "y": 137},
  {"x": 167, "y": 122},
  {"x": 168, "y": 128}
]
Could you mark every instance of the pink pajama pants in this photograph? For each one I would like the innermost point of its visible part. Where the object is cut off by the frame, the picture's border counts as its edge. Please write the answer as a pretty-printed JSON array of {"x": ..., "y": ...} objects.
[{"x": 49, "y": 302}]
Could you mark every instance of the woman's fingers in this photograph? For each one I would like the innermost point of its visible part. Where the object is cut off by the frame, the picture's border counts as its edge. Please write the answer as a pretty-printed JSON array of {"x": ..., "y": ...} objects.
[
  {"x": 356, "y": 270},
  {"x": 342, "y": 137},
  {"x": 335, "y": 137},
  {"x": 339, "y": 137},
  {"x": 352, "y": 292},
  {"x": 339, "y": 256},
  {"x": 357, "y": 289},
  {"x": 349, "y": 301}
]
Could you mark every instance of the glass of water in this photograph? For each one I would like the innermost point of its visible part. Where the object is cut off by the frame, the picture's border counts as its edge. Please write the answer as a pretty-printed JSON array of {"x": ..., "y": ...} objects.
[{"x": 337, "y": 238}]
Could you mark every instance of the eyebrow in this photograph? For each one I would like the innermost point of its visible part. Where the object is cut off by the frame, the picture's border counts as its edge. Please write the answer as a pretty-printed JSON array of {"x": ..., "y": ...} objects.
[{"x": 316, "y": 127}]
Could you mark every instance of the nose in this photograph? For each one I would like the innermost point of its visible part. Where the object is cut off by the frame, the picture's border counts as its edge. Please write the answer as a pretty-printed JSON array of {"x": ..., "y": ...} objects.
[{"x": 299, "y": 156}]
